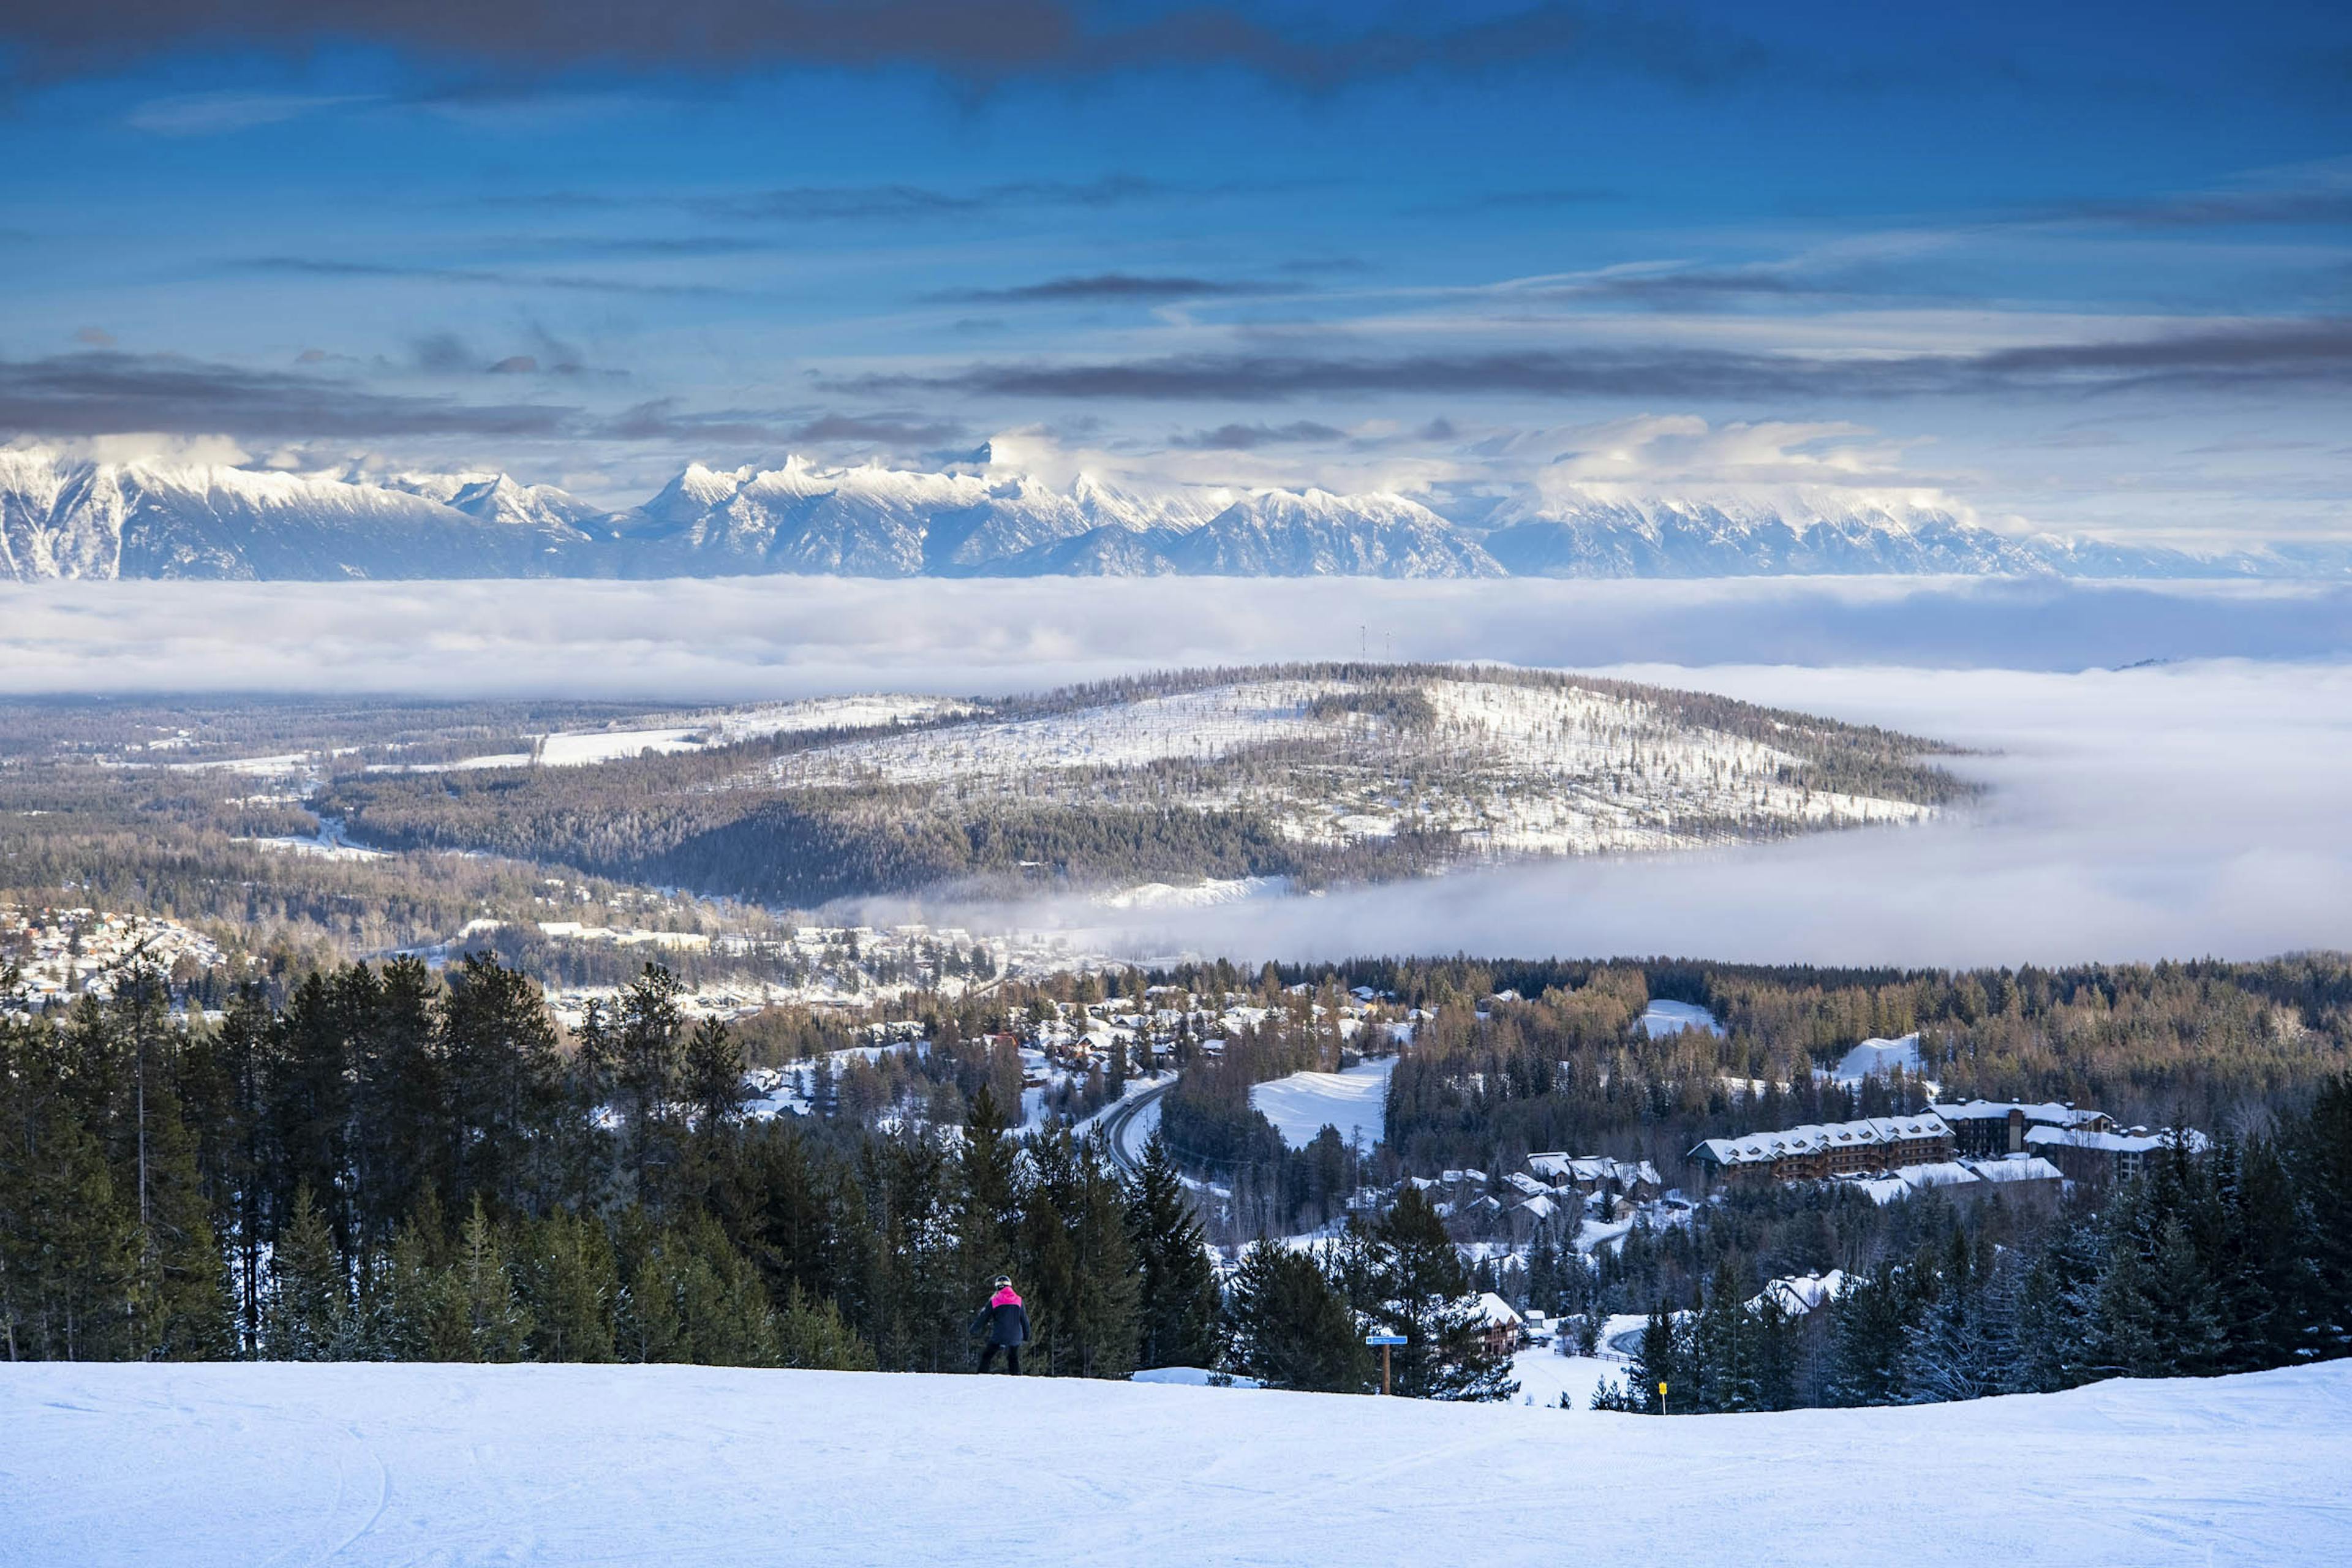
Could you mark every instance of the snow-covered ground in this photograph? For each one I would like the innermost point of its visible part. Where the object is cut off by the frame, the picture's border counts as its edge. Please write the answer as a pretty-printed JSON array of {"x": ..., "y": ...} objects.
[
  {"x": 1512, "y": 768},
  {"x": 1543, "y": 1377},
  {"x": 1673, "y": 1018},
  {"x": 1303, "y": 1104},
  {"x": 227, "y": 1465},
  {"x": 1878, "y": 1058}
]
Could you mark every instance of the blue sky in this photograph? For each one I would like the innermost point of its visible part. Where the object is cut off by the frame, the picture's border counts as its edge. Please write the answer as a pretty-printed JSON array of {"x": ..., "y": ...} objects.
[{"x": 2084, "y": 268}]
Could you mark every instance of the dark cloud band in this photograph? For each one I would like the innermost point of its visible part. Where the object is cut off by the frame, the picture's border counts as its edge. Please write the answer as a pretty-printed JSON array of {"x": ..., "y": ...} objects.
[
  {"x": 977, "y": 41},
  {"x": 2237, "y": 356}
]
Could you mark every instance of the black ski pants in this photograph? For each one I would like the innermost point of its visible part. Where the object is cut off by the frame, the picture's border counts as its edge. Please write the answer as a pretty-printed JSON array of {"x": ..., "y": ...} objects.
[{"x": 1011, "y": 1358}]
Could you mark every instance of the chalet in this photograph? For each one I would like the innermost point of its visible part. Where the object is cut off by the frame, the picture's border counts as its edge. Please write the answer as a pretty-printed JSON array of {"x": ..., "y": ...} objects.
[
  {"x": 1993, "y": 1127},
  {"x": 1589, "y": 1174},
  {"x": 1818, "y": 1151},
  {"x": 1503, "y": 1324}
]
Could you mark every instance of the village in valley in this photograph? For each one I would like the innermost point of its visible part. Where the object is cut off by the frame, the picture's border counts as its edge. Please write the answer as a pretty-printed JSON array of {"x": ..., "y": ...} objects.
[{"x": 1095, "y": 1045}]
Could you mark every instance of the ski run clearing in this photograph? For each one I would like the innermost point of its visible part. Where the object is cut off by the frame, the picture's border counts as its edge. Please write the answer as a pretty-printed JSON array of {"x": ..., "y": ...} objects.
[
  {"x": 1355, "y": 1101},
  {"x": 230, "y": 1465}
]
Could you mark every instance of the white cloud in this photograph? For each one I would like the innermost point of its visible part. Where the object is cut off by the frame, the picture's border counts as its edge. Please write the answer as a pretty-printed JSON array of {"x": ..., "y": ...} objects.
[{"x": 210, "y": 113}]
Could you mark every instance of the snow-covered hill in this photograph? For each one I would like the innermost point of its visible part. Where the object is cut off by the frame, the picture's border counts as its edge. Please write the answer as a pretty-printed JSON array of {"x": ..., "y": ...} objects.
[
  {"x": 224, "y": 1465},
  {"x": 62, "y": 516},
  {"x": 1499, "y": 763}
]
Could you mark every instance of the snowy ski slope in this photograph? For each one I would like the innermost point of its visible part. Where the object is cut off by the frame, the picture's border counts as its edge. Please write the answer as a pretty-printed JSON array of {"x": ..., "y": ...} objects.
[
  {"x": 1301, "y": 1105},
  {"x": 229, "y": 1466}
]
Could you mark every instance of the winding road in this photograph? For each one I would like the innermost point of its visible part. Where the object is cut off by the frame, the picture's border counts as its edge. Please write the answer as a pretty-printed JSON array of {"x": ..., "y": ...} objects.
[{"x": 1119, "y": 1118}]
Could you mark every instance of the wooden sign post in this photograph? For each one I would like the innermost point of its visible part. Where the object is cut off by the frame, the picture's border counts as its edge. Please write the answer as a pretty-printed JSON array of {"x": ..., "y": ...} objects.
[{"x": 1384, "y": 1342}]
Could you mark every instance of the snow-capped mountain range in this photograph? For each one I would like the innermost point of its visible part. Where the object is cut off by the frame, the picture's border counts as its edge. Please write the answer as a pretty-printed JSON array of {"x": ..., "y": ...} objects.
[{"x": 62, "y": 516}]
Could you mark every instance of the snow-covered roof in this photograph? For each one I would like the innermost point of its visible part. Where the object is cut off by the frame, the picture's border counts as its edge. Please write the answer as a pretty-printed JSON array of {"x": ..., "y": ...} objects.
[
  {"x": 1800, "y": 1293},
  {"x": 2113, "y": 1142},
  {"x": 1496, "y": 1310},
  {"x": 1761, "y": 1148},
  {"x": 2017, "y": 1168},
  {"x": 2048, "y": 1114},
  {"x": 1563, "y": 1167}
]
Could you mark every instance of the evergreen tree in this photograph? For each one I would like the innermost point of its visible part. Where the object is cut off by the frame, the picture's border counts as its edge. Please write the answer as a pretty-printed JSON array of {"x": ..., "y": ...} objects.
[
  {"x": 1870, "y": 1338},
  {"x": 566, "y": 1278},
  {"x": 713, "y": 1083},
  {"x": 496, "y": 1324},
  {"x": 507, "y": 1106},
  {"x": 309, "y": 1293},
  {"x": 1418, "y": 1288},
  {"x": 645, "y": 1070},
  {"x": 1291, "y": 1326},
  {"x": 2321, "y": 1161},
  {"x": 811, "y": 1333},
  {"x": 2056, "y": 1308},
  {"x": 1660, "y": 1365},
  {"x": 1178, "y": 1305}
]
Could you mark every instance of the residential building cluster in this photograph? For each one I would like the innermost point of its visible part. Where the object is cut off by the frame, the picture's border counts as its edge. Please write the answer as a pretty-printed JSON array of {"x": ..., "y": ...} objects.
[{"x": 57, "y": 954}]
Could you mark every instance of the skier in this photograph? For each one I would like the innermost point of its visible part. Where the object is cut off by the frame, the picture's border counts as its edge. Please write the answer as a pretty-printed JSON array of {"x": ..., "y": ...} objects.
[{"x": 1007, "y": 1322}]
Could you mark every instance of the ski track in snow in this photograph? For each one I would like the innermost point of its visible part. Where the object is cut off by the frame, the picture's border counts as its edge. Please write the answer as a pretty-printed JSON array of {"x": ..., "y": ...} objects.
[{"x": 236, "y": 1465}]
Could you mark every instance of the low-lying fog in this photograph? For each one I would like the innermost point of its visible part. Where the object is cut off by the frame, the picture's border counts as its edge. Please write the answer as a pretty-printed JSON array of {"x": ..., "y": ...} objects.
[{"x": 2174, "y": 809}]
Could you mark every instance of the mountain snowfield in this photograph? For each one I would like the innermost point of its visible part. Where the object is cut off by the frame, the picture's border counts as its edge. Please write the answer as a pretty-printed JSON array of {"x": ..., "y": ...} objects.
[
  {"x": 231, "y": 1465},
  {"x": 62, "y": 516}
]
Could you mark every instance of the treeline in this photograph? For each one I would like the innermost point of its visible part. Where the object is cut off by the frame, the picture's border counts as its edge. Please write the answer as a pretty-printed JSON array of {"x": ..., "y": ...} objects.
[
  {"x": 392, "y": 1167},
  {"x": 2240, "y": 1260}
]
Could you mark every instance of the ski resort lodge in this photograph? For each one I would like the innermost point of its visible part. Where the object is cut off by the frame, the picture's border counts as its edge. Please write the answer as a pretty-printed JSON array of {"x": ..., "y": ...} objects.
[{"x": 1820, "y": 1151}]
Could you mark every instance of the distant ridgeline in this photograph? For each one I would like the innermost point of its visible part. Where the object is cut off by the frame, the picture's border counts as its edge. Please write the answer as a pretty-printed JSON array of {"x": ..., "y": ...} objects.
[
  {"x": 68, "y": 517},
  {"x": 1309, "y": 774}
]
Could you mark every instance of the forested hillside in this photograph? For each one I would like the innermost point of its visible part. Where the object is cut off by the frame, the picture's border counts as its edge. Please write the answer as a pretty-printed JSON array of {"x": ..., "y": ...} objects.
[{"x": 1315, "y": 773}]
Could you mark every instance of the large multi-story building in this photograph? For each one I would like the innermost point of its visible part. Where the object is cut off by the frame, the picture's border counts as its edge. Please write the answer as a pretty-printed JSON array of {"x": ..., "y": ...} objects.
[
  {"x": 2096, "y": 1155},
  {"x": 1990, "y": 1128},
  {"x": 1818, "y": 1151}
]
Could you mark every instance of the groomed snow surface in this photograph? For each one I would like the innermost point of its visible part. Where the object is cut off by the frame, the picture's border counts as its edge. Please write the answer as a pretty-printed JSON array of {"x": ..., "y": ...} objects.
[
  {"x": 230, "y": 1465},
  {"x": 1302, "y": 1105}
]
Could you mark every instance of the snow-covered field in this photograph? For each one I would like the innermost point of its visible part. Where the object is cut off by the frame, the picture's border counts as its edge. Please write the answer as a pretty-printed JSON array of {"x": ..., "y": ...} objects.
[
  {"x": 1673, "y": 1018},
  {"x": 226, "y": 1466},
  {"x": 1303, "y": 1104}
]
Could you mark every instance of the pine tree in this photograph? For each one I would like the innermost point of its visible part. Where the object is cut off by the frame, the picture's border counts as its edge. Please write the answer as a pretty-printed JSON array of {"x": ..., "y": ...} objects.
[
  {"x": 2321, "y": 1161},
  {"x": 310, "y": 1290},
  {"x": 508, "y": 1115},
  {"x": 1178, "y": 1302},
  {"x": 713, "y": 1082},
  {"x": 497, "y": 1325},
  {"x": 1660, "y": 1364},
  {"x": 645, "y": 1070},
  {"x": 696, "y": 1299},
  {"x": 811, "y": 1333},
  {"x": 1418, "y": 1288},
  {"x": 985, "y": 1202},
  {"x": 565, "y": 1277},
  {"x": 2055, "y": 1310},
  {"x": 1290, "y": 1326},
  {"x": 1869, "y": 1338}
]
